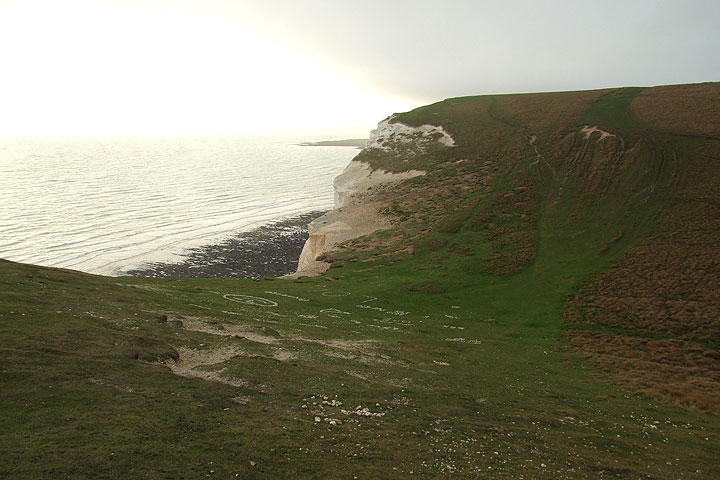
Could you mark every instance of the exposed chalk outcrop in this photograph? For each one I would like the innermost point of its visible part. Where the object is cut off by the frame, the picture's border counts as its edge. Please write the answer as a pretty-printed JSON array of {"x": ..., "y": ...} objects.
[
  {"x": 358, "y": 177},
  {"x": 590, "y": 129},
  {"x": 356, "y": 209},
  {"x": 355, "y": 214},
  {"x": 389, "y": 136}
]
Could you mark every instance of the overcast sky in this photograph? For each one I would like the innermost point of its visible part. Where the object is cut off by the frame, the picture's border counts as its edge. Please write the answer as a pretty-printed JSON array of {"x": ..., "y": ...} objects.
[
  {"x": 199, "y": 66},
  {"x": 436, "y": 49}
]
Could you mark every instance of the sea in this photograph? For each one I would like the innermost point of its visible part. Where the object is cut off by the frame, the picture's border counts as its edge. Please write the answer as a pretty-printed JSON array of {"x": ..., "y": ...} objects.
[{"x": 107, "y": 206}]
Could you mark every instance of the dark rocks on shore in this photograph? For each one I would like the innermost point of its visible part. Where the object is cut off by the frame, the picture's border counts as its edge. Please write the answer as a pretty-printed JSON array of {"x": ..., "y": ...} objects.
[{"x": 268, "y": 251}]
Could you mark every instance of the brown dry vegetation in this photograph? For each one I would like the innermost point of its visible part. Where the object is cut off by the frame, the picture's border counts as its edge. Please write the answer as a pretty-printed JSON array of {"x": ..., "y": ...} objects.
[
  {"x": 685, "y": 109},
  {"x": 543, "y": 113},
  {"x": 661, "y": 300},
  {"x": 682, "y": 372}
]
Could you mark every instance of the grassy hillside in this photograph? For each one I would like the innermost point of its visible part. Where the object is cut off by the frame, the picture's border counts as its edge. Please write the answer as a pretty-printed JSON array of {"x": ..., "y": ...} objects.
[{"x": 546, "y": 306}]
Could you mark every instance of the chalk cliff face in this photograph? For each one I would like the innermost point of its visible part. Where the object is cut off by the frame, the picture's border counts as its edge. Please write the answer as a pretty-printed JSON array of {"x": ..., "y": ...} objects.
[
  {"x": 356, "y": 210},
  {"x": 388, "y": 136}
]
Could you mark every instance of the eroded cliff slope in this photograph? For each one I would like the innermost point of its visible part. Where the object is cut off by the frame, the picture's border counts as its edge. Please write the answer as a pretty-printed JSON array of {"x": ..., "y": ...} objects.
[{"x": 357, "y": 203}]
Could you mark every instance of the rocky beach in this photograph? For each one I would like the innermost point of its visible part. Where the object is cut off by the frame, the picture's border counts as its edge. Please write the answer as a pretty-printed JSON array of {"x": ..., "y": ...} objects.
[{"x": 268, "y": 251}]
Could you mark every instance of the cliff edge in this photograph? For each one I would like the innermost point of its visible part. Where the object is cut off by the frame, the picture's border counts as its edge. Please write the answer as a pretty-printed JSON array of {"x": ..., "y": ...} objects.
[{"x": 357, "y": 207}]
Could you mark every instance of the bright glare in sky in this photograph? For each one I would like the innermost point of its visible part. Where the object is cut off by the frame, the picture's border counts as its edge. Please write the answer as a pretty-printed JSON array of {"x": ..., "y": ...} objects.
[{"x": 117, "y": 68}]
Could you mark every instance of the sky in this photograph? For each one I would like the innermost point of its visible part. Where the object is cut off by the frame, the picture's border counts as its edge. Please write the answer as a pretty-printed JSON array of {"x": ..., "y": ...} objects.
[{"x": 126, "y": 67}]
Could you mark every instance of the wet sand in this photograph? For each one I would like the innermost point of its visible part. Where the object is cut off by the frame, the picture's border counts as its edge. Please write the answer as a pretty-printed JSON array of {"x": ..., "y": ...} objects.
[{"x": 269, "y": 251}]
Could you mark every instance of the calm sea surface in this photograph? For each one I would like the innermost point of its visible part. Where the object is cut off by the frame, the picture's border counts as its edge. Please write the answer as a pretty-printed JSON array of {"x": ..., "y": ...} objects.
[{"x": 108, "y": 206}]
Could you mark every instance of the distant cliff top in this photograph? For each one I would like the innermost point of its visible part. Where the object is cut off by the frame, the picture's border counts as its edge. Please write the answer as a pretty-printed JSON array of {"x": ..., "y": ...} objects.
[{"x": 352, "y": 142}]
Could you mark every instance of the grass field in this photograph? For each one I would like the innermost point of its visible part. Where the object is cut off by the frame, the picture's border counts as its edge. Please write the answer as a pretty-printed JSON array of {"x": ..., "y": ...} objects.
[{"x": 545, "y": 307}]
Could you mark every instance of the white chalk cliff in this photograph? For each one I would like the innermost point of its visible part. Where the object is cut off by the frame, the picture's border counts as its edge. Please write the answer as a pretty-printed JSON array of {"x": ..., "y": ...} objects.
[
  {"x": 356, "y": 211},
  {"x": 388, "y": 135}
]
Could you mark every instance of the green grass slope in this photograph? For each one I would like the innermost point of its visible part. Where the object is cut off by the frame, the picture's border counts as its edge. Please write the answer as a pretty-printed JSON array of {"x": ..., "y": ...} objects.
[{"x": 545, "y": 307}]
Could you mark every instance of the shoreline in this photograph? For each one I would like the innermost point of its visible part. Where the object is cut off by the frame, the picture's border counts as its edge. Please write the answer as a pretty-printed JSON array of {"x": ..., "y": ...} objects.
[
  {"x": 358, "y": 143},
  {"x": 271, "y": 250}
]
